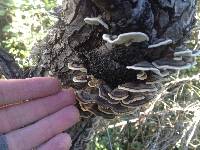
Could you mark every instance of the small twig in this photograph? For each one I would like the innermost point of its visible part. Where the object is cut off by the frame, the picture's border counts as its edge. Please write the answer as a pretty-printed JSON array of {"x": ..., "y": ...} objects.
[
  {"x": 123, "y": 123},
  {"x": 108, "y": 134},
  {"x": 109, "y": 139},
  {"x": 129, "y": 128},
  {"x": 187, "y": 79}
]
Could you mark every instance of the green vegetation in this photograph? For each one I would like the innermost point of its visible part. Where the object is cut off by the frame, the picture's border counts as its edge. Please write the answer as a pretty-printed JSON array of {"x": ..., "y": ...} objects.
[
  {"x": 23, "y": 23},
  {"x": 173, "y": 120}
]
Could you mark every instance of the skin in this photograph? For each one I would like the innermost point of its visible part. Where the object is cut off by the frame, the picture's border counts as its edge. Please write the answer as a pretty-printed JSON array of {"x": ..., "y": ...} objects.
[{"x": 40, "y": 121}]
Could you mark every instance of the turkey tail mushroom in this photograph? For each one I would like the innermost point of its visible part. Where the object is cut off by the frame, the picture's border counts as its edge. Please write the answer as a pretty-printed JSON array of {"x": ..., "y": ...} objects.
[
  {"x": 146, "y": 66},
  {"x": 76, "y": 67},
  {"x": 126, "y": 38},
  {"x": 121, "y": 63},
  {"x": 171, "y": 64},
  {"x": 166, "y": 42},
  {"x": 140, "y": 101},
  {"x": 142, "y": 75},
  {"x": 96, "y": 21},
  {"x": 118, "y": 94},
  {"x": 133, "y": 99},
  {"x": 138, "y": 88},
  {"x": 80, "y": 79}
]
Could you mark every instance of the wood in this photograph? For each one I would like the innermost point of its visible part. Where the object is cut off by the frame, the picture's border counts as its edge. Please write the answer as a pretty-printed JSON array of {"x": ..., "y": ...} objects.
[{"x": 8, "y": 67}]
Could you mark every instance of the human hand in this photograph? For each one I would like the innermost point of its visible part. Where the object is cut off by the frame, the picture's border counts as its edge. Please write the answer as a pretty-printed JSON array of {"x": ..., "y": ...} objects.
[{"x": 40, "y": 121}]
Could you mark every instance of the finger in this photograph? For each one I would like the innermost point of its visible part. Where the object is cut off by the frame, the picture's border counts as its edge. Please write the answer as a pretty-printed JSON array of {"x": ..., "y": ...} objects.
[
  {"x": 59, "y": 142},
  {"x": 43, "y": 130},
  {"x": 19, "y": 115},
  {"x": 23, "y": 89}
]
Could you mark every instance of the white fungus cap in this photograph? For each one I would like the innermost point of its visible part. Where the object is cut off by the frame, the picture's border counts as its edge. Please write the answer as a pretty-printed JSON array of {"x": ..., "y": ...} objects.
[
  {"x": 96, "y": 21},
  {"x": 126, "y": 38}
]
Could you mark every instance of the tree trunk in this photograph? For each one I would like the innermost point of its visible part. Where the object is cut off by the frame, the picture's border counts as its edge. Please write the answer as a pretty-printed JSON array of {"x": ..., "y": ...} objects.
[
  {"x": 8, "y": 67},
  {"x": 115, "y": 53}
]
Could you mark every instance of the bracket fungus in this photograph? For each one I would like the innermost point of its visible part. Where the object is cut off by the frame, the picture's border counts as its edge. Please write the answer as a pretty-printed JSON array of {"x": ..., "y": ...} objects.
[
  {"x": 80, "y": 79},
  {"x": 134, "y": 99},
  {"x": 106, "y": 110},
  {"x": 171, "y": 64},
  {"x": 143, "y": 66},
  {"x": 120, "y": 110},
  {"x": 76, "y": 67},
  {"x": 138, "y": 88},
  {"x": 103, "y": 90},
  {"x": 141, "y": 101},
  {"x": 103, "y": 93},
  {"x": 124, "y": 65},
  {"x": 96, "y": 21},
  {"x": 166, "y": 42},
  {"x": 118, "y": 94},
  {"x": 146, "y": 66},
  {"x": 179, "y": 52},
  {"x": 126, "y": 38},
  {"x": 85, "y": 97},
  {"x": 178, "y": 58},
  {"x": 142, "y": 75},
  {"x": 116, "y": 108}
]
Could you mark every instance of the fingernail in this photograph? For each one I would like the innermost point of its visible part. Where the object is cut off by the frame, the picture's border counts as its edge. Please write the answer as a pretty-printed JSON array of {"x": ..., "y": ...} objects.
[
  {"x": 72, "y": 94},
  {"x": 75, "y": 113}
]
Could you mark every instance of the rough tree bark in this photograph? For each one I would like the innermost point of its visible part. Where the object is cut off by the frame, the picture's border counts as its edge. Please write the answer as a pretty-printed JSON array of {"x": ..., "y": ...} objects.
[
  {"x": 99, "y": 42},
  {"x": 8, "y": 67}
]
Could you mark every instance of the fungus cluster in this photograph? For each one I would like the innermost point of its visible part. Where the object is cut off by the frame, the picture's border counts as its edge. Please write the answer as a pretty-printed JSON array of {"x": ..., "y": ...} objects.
[
  {"x": 100, "y": 99},
  {"x": 144, "y": 58}
]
